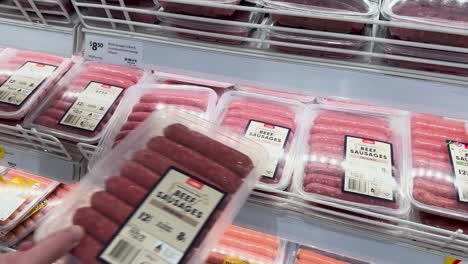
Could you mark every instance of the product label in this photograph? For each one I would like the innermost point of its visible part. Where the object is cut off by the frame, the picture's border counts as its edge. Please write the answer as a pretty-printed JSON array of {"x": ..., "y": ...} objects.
[
  {"x": 113, "y": 50},
  {"x": 458, "y": 153},
  {"x": 88, "y": 111},
  {"x": 273, "y": 138},
  {"x": 368, "y": 168},
  {"x": 24, "y": 82},
  {"x": 162, "y": 229}
]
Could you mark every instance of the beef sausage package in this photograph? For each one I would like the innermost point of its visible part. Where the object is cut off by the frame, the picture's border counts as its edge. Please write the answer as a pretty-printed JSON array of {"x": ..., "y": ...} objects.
[
  {"x": 439, "y": 154},
  {"x": 26, "y": 77},
  {"x": 143, "y": 101},
  {"x": 165, "y": 194},
  {"x": 336, "y": 8},
  {"x": 275, "y": 123},
  {"x": 36, "y": 216},
  {"x": 83, "y": 105},
  {"x": 20, "y": 192},
  {"x": 354, "y": 156},
  {"x": 241, "y": 245},
  {"x": 198, "y": 10},
  {"x": 445, "y": 14}
]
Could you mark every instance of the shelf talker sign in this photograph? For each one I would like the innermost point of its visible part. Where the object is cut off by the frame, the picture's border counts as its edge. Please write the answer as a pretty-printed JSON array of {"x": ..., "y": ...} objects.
[
  {"x": 2, "y": 152},
  {"x": 453, "y": 260}
]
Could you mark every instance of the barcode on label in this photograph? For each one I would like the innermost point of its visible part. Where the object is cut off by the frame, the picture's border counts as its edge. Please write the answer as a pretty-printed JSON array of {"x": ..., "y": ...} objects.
[
  {"x": 3, "y": 95},
  {"x": 357, "y": 185},
  {"x": 72, "y": 119},
  {"x": 121, "y": 251}
]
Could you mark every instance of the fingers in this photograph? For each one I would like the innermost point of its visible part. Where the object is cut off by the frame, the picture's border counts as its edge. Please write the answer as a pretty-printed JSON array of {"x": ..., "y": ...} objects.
[
  {"x": 25, "y": 246},
  {"x": 54, "y": 247}
]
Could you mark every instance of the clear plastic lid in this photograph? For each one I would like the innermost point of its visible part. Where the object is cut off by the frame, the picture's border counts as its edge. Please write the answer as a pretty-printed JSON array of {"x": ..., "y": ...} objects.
[
  {"x": 26, "y": 77},
  {"x": 426, "y": 53},
  {"x": 83, "y": 104},
  {"x": 452, "y": 14},
  {"x": 175, "y": 169},
  {"x": 198, "y": 10},
  {"x": 274, "y": 122},
  {"x": 300, "y": 254},
  {"x": 354, "y": 156},
  {"x": 439, "y": 182},
  {"x": 20, "y": 192},
  {"x": 241, "y": 245},
  {"x": 366, "y": 8},
  {"x": 141, "y": 102},
  {"x": 238, "y": 16}
]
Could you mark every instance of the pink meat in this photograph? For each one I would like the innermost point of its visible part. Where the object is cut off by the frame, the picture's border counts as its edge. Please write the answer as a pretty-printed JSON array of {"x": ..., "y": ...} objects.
[
  {"x": 352, "y": 131},
  {"x": 201, "y": 103},
  {"x": 266, "y": 109},
  {"x": 315, "y": 139},
  {"x": 420, "y": 142},
  {"x": 139, "y": 174},
  {"x": 335, "y": 192},
  {"x": 431, "y": 155},
  {"x": 442, "y": 222},
  {"x": 439, "y": 125},
  {"x": 130, "y": 192},
  {"x": 259, "y": 116},
  {"x": 429, "y": 198},
  {"x": 324, "y": 168},
  {"x": 138, "y": 116},
  {"x": 115, "y": 70},
  {"x": 88, "y": 250},
  {"x": 439, "y": 136},
  {"x": 97, "y": 225},
  {"x": 111, "y": 207},
  {"x": 322, "y": 179},
  {"x": 446, "y": 191},
  {"x": 339, "y": 119},
  {"x": 199, "y": 10},
  {"x": 422, "y": 162}
]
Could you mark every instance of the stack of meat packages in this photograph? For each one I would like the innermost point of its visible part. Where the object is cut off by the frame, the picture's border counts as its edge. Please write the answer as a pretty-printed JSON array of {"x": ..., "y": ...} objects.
[
  {"x": 35, "y": 216},
  {"x": 167, "y": 181},
  {"x": 439, "y": 178},
  {"x": 84, "y": 102},
  {"x": 276, "y": 123},
  {"x": 241, "y": 245},
  {"x": 141, "y": 103},
  {"x": 354, "y": 156},
  {"x": 26, "y": 77}
]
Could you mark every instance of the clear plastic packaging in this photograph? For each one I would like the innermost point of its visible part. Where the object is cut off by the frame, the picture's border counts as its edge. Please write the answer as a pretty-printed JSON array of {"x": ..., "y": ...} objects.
[
  {"x": 347, "y": 8},
  {"x": 307, "y": 39},
  {"x": 143, "y": 101},
  {"x": 439, "y": 221},
  {"x": 192, "y": 178},
  {"x": 299, "y": 254},
  {"x": 438, "y": 182},
  {"x": 20, "y": 192},
  {"x": 51, "y": 5},
  {"x": 120, "y": 15},
  {"x": 198, "y": 10},
  {"x": 26, "y": 77},
  {"x": 36, "y": 216},
  {"x": 241, "y": 245},
  {"x": 276, "y": 123},
  {"x": 231, "y": 30},
  {"x": 447, "y": 14},
  {"x": 437, "y": 55},
  {"x": 83, "y": 105},
  {"x": 354, "y": 156}
]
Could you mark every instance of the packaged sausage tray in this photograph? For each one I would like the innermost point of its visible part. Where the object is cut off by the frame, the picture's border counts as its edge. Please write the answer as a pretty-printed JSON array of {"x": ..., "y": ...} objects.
[
  {"x": 198, "y": 10},
  {"x": 143, "y": 101},
  {"x": 300, "y": 254},
  {"x": 354, "y": 155},
  {"x": 165, "y": 194},
  {"x": 275, "y": 123},
  {"x": 242, "y": 245},
  {"x": 20, "y": 192},
  {"x": 120, "y": 15},
  {"x": 364, "y": 9},
  {"x": 439, "y": 221},
  {"x": 36, "y": 216},
  {"x": 439, "y": 151},
  {"x": 83, "y": 104},
  {"x": 26, "y": 77},
  {"x": 443, "y": 14}
]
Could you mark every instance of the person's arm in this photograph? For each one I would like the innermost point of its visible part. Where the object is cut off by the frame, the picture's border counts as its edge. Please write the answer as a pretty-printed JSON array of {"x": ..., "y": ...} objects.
[{"x": 46, "y": 251}]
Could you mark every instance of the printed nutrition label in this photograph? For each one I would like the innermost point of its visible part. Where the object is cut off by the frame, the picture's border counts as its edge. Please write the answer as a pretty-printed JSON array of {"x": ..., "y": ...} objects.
[
  {"x": 164, "y": 226},
  {"x": 459, "y": 159},
  {"x": 368, "y": 168},
  {"x": 88, "y": 111},
  {"x": 273, "y": 138},
  {"x": 24, "y": 82}
]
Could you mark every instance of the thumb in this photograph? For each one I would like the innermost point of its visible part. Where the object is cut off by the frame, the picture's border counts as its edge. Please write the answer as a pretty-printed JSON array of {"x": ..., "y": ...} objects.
[{"x": 55, "y": 246}]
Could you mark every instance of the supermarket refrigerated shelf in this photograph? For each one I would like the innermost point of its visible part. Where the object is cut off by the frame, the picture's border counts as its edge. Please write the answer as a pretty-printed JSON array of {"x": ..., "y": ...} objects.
[{"x": 58, "y": 40}]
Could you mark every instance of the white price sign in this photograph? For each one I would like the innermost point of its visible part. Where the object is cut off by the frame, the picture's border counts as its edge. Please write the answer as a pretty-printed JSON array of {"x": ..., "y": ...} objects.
[{"x": 113, "y": 50}]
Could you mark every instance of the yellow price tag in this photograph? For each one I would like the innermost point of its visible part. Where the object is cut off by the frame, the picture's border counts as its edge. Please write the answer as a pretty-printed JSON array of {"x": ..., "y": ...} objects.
[
  {"x": 2, "y": 152},
  {"x": 452, "y": 260},
  {"x": 235, "y": 260}
]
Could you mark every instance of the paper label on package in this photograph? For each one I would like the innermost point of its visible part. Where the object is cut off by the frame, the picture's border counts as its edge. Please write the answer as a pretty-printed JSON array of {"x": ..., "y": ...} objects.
[
  {"x": 273, "y": 138},
  {"x": 368, "y": 168},
  {"x": 458, "y": 153},
  {"x": 24, "y": 82},
  {"x": 162, "y": 229},
  {"x": 92, "y": 105}
]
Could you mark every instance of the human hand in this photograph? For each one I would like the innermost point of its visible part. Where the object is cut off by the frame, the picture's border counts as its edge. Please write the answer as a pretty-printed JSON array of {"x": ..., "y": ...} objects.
[{"x": 46, "y": 251}]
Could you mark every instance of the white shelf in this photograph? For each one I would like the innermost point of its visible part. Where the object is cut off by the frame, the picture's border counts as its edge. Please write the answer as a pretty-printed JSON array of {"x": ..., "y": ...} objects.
[
  {"x": 43, "y": 38},
  {"x": 426, "y": 94}
]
